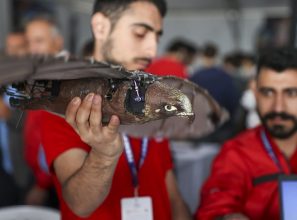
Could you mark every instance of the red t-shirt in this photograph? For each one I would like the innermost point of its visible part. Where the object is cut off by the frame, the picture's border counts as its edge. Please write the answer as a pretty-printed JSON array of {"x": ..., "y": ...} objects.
[
  {"x": 244, "y": 179},
  {"x": 165, "y": 66},
  {"x": 33, "y": 149},
  {"x": 58, "y": 137}
]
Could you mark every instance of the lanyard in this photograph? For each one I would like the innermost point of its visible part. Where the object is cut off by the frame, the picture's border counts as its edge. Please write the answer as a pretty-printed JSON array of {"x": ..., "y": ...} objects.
[
  {"x": 131, "y": 160},
  {"x": 269, "y": 150}
]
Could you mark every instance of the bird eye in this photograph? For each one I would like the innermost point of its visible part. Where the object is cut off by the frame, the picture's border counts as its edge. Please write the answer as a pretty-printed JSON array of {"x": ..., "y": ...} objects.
[{"x": 170, "y": 108}]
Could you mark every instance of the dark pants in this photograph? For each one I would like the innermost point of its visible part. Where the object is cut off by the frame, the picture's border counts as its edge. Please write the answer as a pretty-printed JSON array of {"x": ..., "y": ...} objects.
[{"x": 9, "y": 191}]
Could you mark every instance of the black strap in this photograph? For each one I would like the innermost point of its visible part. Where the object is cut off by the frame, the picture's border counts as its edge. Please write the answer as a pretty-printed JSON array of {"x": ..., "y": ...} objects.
[
  {"x": 266, "y": 178},
  {"x": 135, "y": 99}
]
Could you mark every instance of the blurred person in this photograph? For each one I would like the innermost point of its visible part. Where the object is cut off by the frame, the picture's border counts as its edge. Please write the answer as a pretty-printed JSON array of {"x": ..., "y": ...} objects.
[
  {"x": 242, "y": 68},
  {"x": 247, "y": 66},
  {"x": 43, "y": 38},
  {"x": 221, "y": 86},
  {"x": 97, "y": 171},
  {"x": 14, "y": 173},
  {"x": 209, "y": 55},
  {"x": 244, "y": 180},
  {"x": 179, "y": 55},
  {"x": 16, "y": 44},
  {"x": 232, "y": 63},
  {"x": 240, "y": 64},
  {"x": 9, "y": 191}
]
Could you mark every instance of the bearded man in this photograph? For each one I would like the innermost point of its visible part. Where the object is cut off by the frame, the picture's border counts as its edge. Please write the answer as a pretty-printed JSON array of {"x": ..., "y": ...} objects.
[{"x": 244, "y": 179}]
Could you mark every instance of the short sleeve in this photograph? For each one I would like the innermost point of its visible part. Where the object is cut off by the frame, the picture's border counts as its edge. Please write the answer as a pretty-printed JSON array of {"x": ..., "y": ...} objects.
[{"x": 57, "y": 137}]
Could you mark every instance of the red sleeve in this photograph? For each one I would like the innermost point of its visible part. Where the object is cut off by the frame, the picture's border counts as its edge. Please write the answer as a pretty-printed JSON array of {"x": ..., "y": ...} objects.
[
  {"x": 57, "y": 137},
  {"x": 225, "y": 190},
  {"x": 32, "y": 142}
]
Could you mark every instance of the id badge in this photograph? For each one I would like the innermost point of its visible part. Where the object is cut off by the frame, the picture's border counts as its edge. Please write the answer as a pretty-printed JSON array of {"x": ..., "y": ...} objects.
[{"x": 137, "y": 208}]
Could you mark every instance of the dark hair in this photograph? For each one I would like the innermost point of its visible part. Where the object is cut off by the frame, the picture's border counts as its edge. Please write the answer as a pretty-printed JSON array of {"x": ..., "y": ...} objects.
[
  {"x": 248, "y": 57},
  {"x": 233, "y": 58},
  {"x": 113, "y": 9},
  {"x": 210, "y": 50},
  {"x": 278, "y": 59},
  {"x": 181, "y": 44}
]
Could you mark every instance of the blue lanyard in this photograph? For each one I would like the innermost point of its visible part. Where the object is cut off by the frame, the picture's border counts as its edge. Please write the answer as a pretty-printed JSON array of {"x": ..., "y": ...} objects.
[
  {"x": 131, "y": 160},
  {"x": 269, "y": 150}
]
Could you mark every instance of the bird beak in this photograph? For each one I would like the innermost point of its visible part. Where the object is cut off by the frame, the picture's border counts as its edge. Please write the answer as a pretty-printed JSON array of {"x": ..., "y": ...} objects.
[{"x": 189, "y": 115}]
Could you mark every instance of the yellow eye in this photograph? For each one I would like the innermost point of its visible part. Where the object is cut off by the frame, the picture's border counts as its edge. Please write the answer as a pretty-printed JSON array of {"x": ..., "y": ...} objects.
[{"x": 170, "y": 108}]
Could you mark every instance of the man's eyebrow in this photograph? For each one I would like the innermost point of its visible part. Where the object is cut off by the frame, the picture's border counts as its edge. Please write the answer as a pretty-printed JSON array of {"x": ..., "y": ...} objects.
[
  {"x": 148, "y": 27},
  {"x": 291, "y": 89}
]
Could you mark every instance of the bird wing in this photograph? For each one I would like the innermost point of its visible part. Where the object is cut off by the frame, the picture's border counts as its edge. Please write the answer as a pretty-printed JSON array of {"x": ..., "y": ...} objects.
[
  {"x": 13, "y": 69},
  {"x": 208, "y": 116}
]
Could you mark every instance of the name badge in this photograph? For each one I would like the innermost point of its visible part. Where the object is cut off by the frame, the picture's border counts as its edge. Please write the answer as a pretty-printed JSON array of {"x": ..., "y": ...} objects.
[{"x": 137, "y": 208}]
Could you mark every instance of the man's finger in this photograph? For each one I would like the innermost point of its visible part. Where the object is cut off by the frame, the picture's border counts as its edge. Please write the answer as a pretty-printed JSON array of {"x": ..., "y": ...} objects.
[
  {"x": 113, "y": 125},
  {"x": 96, "y": 114},
  {"x": 71, "y": 112},
  {"x": 83, "y": 114}
]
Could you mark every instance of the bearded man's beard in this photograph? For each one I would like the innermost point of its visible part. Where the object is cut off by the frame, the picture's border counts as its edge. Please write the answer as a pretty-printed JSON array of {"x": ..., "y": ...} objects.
[{"x": 279, "y": 131}]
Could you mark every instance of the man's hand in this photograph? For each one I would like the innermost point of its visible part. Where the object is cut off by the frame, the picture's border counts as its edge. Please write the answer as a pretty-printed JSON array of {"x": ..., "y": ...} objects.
[{"x": 85, "y": 117}]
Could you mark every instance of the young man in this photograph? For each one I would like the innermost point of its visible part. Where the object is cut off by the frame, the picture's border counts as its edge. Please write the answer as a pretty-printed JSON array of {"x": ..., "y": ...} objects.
[
  {"x": 244, "y": 179},
  {"x": 91, "y": 172}
]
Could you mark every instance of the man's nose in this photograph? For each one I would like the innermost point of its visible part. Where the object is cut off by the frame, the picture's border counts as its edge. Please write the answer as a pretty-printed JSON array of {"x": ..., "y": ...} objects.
[
  {"x": 279, "y": 104},
  {"x": 151, "y": 47}
]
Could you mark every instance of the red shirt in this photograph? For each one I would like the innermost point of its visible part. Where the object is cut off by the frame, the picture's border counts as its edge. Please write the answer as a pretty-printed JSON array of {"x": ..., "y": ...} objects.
[
  {"x": 32, "y": 142},
  {"x": 244, "y": 179},
  {"x": 165, "y": 66},
  {"x": 58, "y": 136}
]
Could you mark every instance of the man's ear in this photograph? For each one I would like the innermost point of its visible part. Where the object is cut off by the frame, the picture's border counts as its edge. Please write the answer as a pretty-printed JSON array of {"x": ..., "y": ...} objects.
[{"x": 100, "y": 26}]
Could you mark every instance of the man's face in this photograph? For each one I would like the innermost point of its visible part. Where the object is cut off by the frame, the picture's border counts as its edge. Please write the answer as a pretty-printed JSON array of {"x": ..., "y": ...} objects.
[
  {"x": 42, "y": 39},
  {"x": 277, "y": 101},
  {"x": 134, "y": 39},
  {"x": 16, "y": 45}
]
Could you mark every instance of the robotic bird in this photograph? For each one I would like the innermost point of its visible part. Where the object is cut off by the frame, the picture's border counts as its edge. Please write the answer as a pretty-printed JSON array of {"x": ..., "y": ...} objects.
[{"x": 147, "y": 105}]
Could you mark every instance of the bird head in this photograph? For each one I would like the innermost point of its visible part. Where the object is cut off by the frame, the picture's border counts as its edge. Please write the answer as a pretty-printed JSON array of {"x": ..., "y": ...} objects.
[{"x": 156, "y": 101}]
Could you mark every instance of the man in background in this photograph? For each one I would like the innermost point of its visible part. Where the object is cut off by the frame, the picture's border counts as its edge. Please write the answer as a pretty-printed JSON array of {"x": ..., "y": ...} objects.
[
  {"x": 43, "y": 38},
  {"x": 221, "y": 87},
  {"x": 179, "y": 55},
  {"x": 244, "y": 180},
  {"x": 13, "y": 170}
]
